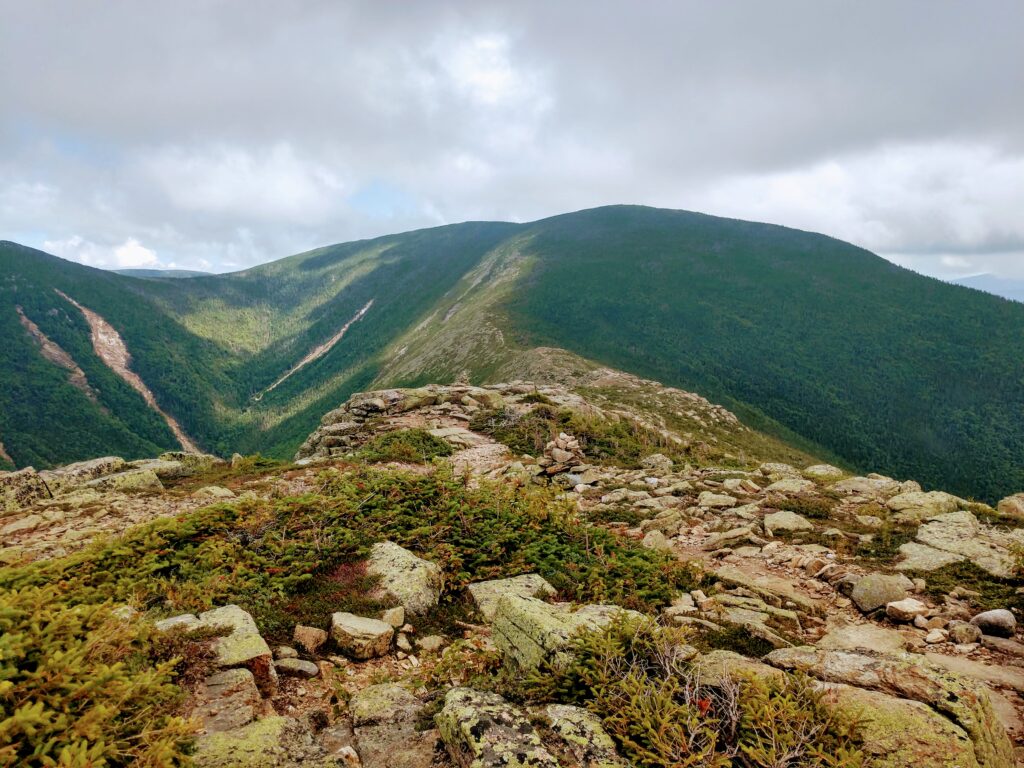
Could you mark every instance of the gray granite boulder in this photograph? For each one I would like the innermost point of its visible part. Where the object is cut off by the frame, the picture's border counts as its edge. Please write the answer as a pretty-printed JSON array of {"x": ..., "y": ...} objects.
[{"x": 410, "y": 581}]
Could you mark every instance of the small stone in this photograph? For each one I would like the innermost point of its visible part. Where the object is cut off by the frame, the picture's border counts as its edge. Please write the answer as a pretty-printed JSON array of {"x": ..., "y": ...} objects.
[
  {"x": 875, "y": 590},
  {"x": 348, "y": 756},
  {"x": 431, "y": 643},
  {"x": 657, "y": 540},
  {"x": 297, "y": 667},
  {"x": 309, "y": 639},
  {"x": 285, "y": 652},
  {"x": 214, "y": 492},
  {"x": 394, "y": 616},
  {"x": 905, "y": 610},
  {"x": 402, "y": 643},
  {"x": 999, "y": 622},
  {"x": 962, "y": 633},
  {"x": 361, "y": 637},
  {"x": 936, "y": 636},
  {"x": 185, "y": 621}
]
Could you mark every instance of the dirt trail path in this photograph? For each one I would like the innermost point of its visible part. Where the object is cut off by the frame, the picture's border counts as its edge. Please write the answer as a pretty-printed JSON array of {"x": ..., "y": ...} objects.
[
  {"x": 317, "y": 352},
  {"x": 111, "y": 349}
]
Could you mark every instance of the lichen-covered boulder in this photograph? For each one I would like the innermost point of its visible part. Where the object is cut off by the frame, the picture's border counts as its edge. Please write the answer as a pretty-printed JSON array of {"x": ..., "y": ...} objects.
[
  {"x": 824, "y": 472},
  {"x": 876, "y": 590},
  {"x": 273, "y": 742},
  {"x": 213, "y": 492},
  {"x": 785, "y": 520},
  {"x": 583, "y": 736},
  {"x": 898, "y": 733},
  {"x": 227, "y": 700},
  {"x": 410, "y": 581},
  {"x": 20, "y": 489},
  {"x": 657, "y": 462},
  {"x": 165, "y": 470},
  {"x": 710, "y": 500},
  {"x": 657, "y": 540},
  {"x": 68, "y": 478},
  {"x": 918, "y": 505},
  {"x": 872, "y": 486},
  {"x": 386, "y": 736},
  {"x": 130, "y": 480},
  {"x": 791, "y": 485},
  {"x": 999, "y": 622},
  {"x": 242, "y": 646},
  {"x": 482, "y": 730},
  {"x": 960, "y": 534},
  {"x": 960, "y": 699},
  {"x": 194, "y": 463},
  {"x": 774, "y": 590},
  {"x": 777, "y": 471},
  {"x": 1012, "y": 506},
  {"x": 529, "y": 631},
  {"x": 486, "y": 594},
  {"x": 361, "y": 637},
  {"x": 920, "y": 557}
]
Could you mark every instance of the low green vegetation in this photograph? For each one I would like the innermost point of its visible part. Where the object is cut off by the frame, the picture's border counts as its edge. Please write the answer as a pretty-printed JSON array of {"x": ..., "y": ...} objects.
[
  {"x": 621, "y": 442},
  {"x": 663, "y": 712},
  {"x": 76, "y": 677},
  {"x": 818, "y": 507},
  {"x": 408, "y": 445},
  {"x": 884, "y": 543},
  {"x": 735, "y": 638},
  {"x": 84, "y": 687},
  {"x": 980, "y": 588}
]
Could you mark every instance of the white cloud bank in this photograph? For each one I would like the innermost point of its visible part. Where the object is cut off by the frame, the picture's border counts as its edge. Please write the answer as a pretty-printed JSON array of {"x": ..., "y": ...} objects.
[
  {"x": 231, "y": 133},
  {"x": 131, "y": 254}
]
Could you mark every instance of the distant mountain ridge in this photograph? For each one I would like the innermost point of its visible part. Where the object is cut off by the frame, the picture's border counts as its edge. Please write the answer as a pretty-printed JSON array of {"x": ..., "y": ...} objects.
[
  {"x": 160, "y": 273},
  {"x": 999, "y": 286},
  {"x": 833, "y": 349}
]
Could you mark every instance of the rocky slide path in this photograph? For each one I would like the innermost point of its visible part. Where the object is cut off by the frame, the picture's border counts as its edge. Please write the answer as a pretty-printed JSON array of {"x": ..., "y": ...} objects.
[
  {"x": 111, "y": 349},
  {"x": 317, "y": 352}
]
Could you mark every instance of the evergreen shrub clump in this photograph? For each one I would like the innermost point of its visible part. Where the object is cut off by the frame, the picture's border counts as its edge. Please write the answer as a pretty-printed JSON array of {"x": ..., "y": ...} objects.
[
  {"x": 663, "y": 711},
  {"x": 408, "y": 445}
]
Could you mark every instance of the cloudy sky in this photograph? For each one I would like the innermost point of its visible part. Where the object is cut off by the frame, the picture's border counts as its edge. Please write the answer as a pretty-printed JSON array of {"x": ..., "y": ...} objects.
[{"x": 219, "y": 134}]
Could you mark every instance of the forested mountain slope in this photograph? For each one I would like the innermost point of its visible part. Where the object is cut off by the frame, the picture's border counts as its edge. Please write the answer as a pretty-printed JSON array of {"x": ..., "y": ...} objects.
[
  {"x": 815, "y": 340},
  {"x": 883, "y": 366}
]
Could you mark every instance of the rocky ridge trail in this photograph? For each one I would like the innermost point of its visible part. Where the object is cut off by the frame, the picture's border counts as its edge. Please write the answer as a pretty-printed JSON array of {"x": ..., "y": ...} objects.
[{"x": 901, "y": 605}]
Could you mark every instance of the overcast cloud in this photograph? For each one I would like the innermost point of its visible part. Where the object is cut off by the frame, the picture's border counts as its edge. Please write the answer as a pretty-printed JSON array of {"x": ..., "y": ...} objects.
[{"x": 216, "y": 135}]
